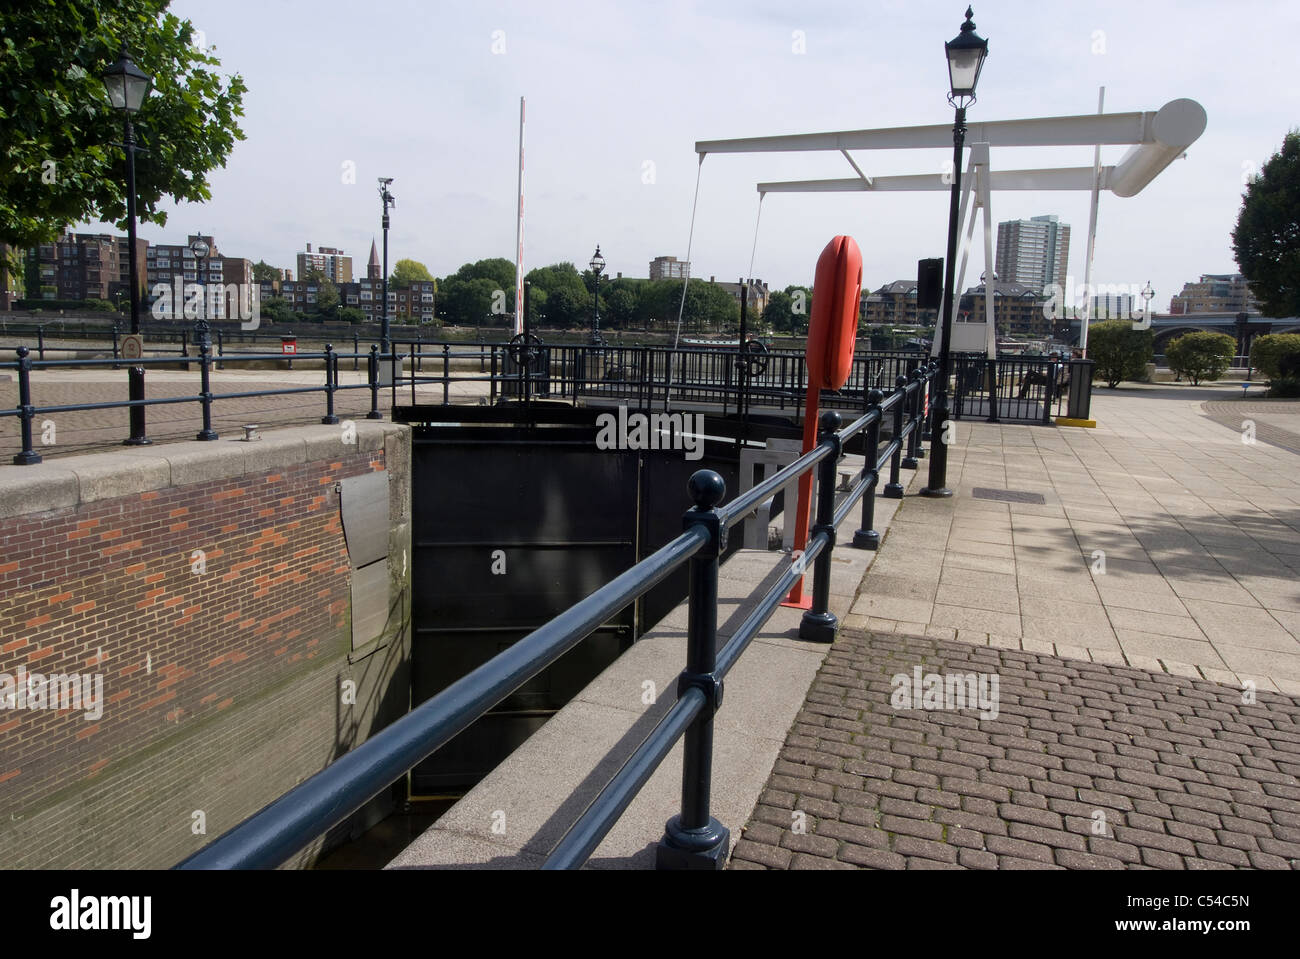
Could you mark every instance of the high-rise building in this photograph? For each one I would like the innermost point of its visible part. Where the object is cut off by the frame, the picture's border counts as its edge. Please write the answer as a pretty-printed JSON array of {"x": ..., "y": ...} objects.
[
  {"x": 1215, "y": 293},
  {"x": 1033, "y": 252},
  {"x": 86, "y": 266},
  {"x": 331, "y": 263},
  {"x": 669, "y": 268}
]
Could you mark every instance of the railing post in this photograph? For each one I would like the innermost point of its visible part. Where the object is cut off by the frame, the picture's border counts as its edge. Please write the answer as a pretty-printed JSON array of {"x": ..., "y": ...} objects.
[
  {"x": 694, "y": 839},
  {"x": 492, "y": 378},
  {"x": 331, "y": 381},
  {"x": 28, "y": 456},
  {"x": 116, "y": 351},
  {"x": 40, "y": 341},
  {"x": 419, "y": 352},
  {"x": 894, "y": 488},
  {"x": 356, "y": 349},
  {"x": 819, "y": 624},
  {"x": 1049, "y": 393},
  {"x": 372, "y": 372},
  {"x": 205, "y": 387},
  {"x": 992, "y": 367},
  {"x": 221, "y": 351},
  {"x": 446, "y": 374},
  {"x": 865, "y": 536},
  {"x": 914, "y": 420}
]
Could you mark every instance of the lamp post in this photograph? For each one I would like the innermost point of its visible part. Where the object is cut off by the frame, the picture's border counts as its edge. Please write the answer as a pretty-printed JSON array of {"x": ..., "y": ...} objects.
[
  {"x": 966, "y": 55},
  {"x": 1147, "y": 294},
  {"x": 199, "y": 247},
  {"x": 127, "y": 87},
  {"x": 597, "y": 265},
  {"x": 388, "y": 201}
]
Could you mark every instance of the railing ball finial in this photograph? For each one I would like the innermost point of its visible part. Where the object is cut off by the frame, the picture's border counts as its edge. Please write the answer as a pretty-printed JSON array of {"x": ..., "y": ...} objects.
[
  {"x": 874, "y": 397},
  {"x": 900, "y": 382},
  {"x": 706, "y": 488},
  {"x": 830, "y": 421},
  {"x": 23, "y": 352}
]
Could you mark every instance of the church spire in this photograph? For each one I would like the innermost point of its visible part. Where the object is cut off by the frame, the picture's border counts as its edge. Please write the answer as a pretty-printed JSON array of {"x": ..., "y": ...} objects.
[{"x": 374, "y": 271}]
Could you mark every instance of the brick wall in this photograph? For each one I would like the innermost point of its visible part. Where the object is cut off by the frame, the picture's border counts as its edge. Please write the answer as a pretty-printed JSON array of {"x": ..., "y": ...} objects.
[{"x": 217, "y": 614}]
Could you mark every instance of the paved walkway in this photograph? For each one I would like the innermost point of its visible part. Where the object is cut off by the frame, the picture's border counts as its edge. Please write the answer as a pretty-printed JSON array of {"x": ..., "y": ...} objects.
[
  {"x": 1142, "y": 618},
  {"x": 1086, "y": 766},
  {"x": 1161, "y": 541}
]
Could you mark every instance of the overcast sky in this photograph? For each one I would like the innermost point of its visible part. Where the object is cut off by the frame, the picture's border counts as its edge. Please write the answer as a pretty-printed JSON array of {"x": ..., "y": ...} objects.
[{"x": 618, "y": 93}]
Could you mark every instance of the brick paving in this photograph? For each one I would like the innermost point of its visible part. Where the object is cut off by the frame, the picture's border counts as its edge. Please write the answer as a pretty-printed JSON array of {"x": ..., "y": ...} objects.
[{"x": 1086, "y": 766}]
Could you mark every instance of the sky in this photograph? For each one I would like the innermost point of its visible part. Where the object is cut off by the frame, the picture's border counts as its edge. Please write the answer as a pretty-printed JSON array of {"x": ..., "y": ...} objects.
[{"x": 619, "y": 92}]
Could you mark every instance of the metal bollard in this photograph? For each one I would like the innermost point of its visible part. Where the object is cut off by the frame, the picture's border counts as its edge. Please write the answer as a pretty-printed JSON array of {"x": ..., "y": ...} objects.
[
  {"x": 694, "y": 839},
  {"x": 446, "y": 374},
  {"x": 331, "y": 383},
  {"x": 27, "y": 456},
  {"x": 373, "y": 373},
  {"x": 866, "y": 537},
  {"x": 894, "y": 489},
  {"x": 819, "y": 624}
]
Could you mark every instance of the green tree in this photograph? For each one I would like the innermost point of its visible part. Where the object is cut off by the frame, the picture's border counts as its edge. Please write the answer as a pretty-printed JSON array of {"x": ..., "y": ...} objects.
[
  {"x": 407, "y": 272},
  {"x": 1201, "y": 356},
  {"x": 14, "y": 272},
  {"x": 1266, "y": 240},
  {"x": 327, "y": 298},
  {"x": 60, "y": 158},
  {"x": 263, "y": 272},
  {"x": 1120, "y": 352},
  {"x": 620, "y": 308},
  {"x": 1276, "y": 355},
  {"x": 276, "y": 310},
  {"x": 350, "y": 314}
]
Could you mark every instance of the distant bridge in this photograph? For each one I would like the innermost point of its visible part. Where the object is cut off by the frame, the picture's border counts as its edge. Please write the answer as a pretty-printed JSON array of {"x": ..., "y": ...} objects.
[{"x": 1167, "y": 326}]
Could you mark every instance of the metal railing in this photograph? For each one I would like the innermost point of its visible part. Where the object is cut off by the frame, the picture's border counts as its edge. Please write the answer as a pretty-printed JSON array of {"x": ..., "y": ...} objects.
[
  {"x": 694, "y": 838},
  {"x": 27, "y": 412}
]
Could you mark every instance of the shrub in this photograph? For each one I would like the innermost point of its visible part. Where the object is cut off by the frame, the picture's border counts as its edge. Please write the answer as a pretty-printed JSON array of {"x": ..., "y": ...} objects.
[
  {"x": 1201, "y": 356},
  {"x": 1270, "y": 354},
  {"x": 1120, "y": 351}
]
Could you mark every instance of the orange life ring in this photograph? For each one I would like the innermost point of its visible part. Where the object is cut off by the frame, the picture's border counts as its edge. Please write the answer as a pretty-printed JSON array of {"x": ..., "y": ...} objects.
[{"x": 833, "y": 328}]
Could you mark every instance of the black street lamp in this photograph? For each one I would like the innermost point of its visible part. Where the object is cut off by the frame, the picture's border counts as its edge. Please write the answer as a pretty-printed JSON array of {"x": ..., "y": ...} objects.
[
  {"x": 387, "y": 199},
  {"x": 199, "y": 247},
  {"x": 966, "y": 56},
  {"x": 597, "y": 265},
  {"x": 127, "y": 87}
]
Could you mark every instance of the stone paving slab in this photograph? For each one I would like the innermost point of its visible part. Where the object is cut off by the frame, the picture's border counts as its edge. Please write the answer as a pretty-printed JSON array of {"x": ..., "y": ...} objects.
[
  {"x": 1163, "y": 541},
  {"x": 1082, "y": 765}
]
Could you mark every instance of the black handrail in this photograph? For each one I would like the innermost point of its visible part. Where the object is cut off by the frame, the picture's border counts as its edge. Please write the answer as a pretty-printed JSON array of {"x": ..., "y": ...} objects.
[{"x": 693, "y": 839}]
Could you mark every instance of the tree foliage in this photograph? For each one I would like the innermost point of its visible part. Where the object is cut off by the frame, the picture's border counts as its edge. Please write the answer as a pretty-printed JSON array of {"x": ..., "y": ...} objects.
[
  {"x": 61, "y": 159},
  {"x": 264, "y": 272},
  {"x": 1120, "y": 352},
  {"x": 1266, "y": 240},
  {"x": 1276, "y": 355},
  {"x": 327, "y": 298},
  {"x": 1201, "y": 355},
  {"x": 407, "y": 272}
]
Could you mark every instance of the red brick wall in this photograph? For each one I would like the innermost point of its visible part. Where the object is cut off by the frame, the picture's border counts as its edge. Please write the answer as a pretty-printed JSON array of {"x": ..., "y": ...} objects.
[{"x": 111, "y": 587}]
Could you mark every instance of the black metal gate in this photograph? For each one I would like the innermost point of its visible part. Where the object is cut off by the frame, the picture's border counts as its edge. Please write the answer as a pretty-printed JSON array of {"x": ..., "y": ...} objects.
[{"x": 511, "y": 525}]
